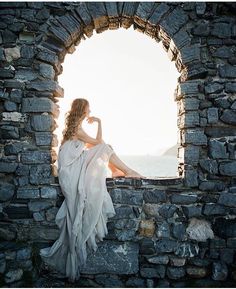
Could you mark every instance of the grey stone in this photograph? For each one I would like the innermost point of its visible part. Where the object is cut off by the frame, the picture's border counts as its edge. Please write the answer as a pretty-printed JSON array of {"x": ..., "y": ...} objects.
[
  {"x": 36, "y": 206},
  {"x": 46, "y": 70},
  {"x": 229, "y": 116},
  {"x": 7, "y": 167},
  {"x": 209, "y": 165},
  {"x": 2, "y": 266},
  {"x": 134, "y": 282},
  {"x": 227, "y": 255},
  {"x": 38, "y": 216},
  {"x": 48, "y": 56},
  {"x": 212, "y": 186},
  {"x": 183, "y": 198},
  {"x": 199, "y": 262},
  {"x": 228, "y": 168},
  {"x": 36, "y": 157},
  {"x": 179, "y": 231},
  {"x": 124, "y": 212},
  {"x": 166, "y": 246},
  {"x": 22, "y": 170},
  {"x": 167, "y": 210},
  {"x": 214, "y": 209},
  {"x": 159, "y": 11},
  {"x": 214, "y": 87},
  {"x": 43, "y": 234},
  {"x": 109, "y": 281},
  {"x": 147, "y": 247},
  {"x": 26, "y": 75},
  {"x": 189, "y": 119},
  {"x": 217, "y": 243},
  {"x": 219, "y": 271},
  {"x": 48, "y": 193},
  {"x": 233, "y": 106},
  {"x": 154, "y": 196},
  {"x": 187, "y": 250},
  {"x": 188, "y": 88},
  {"x": 125, "y": 234},
  {"x": 195, "y": 137},
  {"x": 51, "y": 214},
  {"x": 123, "y": 196},
  {"x": 227, "y": 71},
  {"x": 9, "y": 132},
  {"x": 189, "y": 154},
  {"x": 46, "y": 85},
  {"x": 177, "y": 262},
  {"x": 223, "y": 52},
  {"x": 192, "y": 211},
  {"x": 14, "y": 148},
  {"x": 225, "y": 228},
  {"x": 114, "y": 258},
  {"x": 27, "y": 51},
  {"x": 28, "y": 193},
  {"x": 41, "y": 174},
  {"x": 212, "y": 115},
  {"x": 222, "y": 102},
  {"x": 202, "y": 29},
  {"x": 230, "y": 87},
  {"x": 7, "y": 234},
  {"x": 163, "y": 230},
  {"x": 162, "y": 259},
  {"x": 13, "y": 275},
  {"x": 149, "y": 272},
  {"x": 217, "y": 149},
  {"x": 175, "y": 272},
  {"x": 43, "y": 138},
  {"x": 16, "y": 95},
  {"x": 163, "y": 284},
  {"x": 196, "y": 272},
  {"x": 6, "y": 191},
  {"x": 200, "y": 8},
  {"x": 23, "y": 254},
  {"x": 144, "y": 10},
  {"x": 42, "y": 123},
  {"x": 41, "y": 104},
  {"x": 227, "y": 199},
  {"x": 190, "y": 53},
  {"x": 221, "y": 30}
]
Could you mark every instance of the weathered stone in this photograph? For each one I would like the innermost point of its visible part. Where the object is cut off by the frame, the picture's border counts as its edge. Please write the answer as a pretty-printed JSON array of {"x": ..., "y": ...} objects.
[
  {"x": 124, "y": 212},
  {"x": 221, "y": 30},
  {"x": 41, "y": 174},
  {"x": 17, "y": 211},
  {"x": 214, "y": 87},
  {"x": 177, "y": 262},
  {"x": 223, "y": 52},
  {"x": 13, "y": 117},
  {"x": 135, "y": 283},
  {"x": 149, "y": 272},
  {"x": 108, "y": 281},
  {"x": 166, "y": 246},
  {"x": 9, "y": 132},
  {"x": 36, "y": 157},
  {"x": 227, "y": 199},
  {"x": 163, "y": 230},
  {"x": 28, "y": 193},
  {"x": 154, "y": 196},
  {"x": 13, "y": 275},
  {"x": 23, "y": 254},
  {"x": 222, "y": 102},
  {"x": 219, "y": 271},
  {"x": 192, "y": 211},
  {"x": 38, "y": 105},
  {"x": 167, "y": 210},
  {"x": 122, "y": 196},
  {"x": 217, "y": 243},
  {"x": 231, "y": 243},
  {"x": 227, "y": 255},
  {"x": 199, "y": 230},
  {"x": 48, "y": 193},
  {"x": 38, "y": 216},
  {"x": 189, "y": 154},
  {"x": 27, "y": 51},
  {"x": 6, "y": 191},
  {"x": 147, "y": 228},
  {"x": 22, "y": 170},
  {"x": 7, "y": 234},
  {"x": 209, "y": 165},
  {"x": 113, "y": 258},
  {"x": 214, "y": 209},
  {"x": 187, "y": 250},
  {"x": 175, "y": 272},
  {"x": 212, "y": 115},
  {"x": 212, "y": 186},
  {"x": 8, "y": 167},
  {"x": 189, "y": 119},
  {"x": 179, "y": 231},
  {"x": 227, "y": 71},
  {"x": 195, "y": 137},
  {"x": 184, "y": 198},
  {"x": 162, "y": 259},
  {"x": 217, "y": 149},
  {"x": 46, "y": 85},
  {"x": 228, "y": 168},
  {"x": 42, "y": 122},
  {"x": 229, "y": 116},
  {"x": 48, "y": 56},
  {"x": 230, "y": 87},
  {"x": 10, "y": 105},
  {"x": 12, "y": 53},
  {"x": 51, "y": 214},
  {"x": 196, "y": 272},
  {"x": 46, "y": 70},
  {"x": 36, "y": 206},
  {"x": 147, "y": 247},
  {"x": 225, "y": 228},
  {"x": 44, "y": 234}
]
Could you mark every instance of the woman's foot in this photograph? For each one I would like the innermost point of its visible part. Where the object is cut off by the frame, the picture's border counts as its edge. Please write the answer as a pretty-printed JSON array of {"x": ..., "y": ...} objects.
[{"x": 133, "y": 174}]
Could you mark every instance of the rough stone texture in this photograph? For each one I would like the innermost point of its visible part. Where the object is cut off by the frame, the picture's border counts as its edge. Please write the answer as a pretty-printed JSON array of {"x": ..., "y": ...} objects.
[{"x": 154, "y": 215}]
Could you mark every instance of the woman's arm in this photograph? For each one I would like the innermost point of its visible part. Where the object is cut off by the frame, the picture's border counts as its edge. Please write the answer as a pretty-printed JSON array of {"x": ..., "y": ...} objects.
[{"x": 82, "y": 135}]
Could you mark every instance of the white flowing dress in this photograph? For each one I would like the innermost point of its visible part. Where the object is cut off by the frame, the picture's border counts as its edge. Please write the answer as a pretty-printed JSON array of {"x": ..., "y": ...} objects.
[{"x": 83, "y": 214}]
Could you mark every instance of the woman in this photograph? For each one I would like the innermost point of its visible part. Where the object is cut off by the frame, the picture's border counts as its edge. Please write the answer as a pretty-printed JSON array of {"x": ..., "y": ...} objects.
[{"x": 82, "y": 172}]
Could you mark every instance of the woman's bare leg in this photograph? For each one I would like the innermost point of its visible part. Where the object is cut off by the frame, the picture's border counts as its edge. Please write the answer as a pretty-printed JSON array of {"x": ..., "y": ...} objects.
[
  {"x": 115, "y": 171},
  {"x": 128, "y": 172}
]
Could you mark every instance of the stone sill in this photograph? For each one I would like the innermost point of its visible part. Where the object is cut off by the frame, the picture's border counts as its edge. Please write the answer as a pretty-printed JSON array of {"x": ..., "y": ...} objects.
[{"x": 143, "y": 183}]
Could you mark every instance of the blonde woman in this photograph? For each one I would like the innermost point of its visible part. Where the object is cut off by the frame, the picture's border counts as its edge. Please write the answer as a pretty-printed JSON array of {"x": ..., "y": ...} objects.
[{"x": 82, "y": 172}]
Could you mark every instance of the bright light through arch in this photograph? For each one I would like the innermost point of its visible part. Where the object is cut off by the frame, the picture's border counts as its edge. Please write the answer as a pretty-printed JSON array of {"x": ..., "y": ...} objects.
[{"x": 129, "y": 81}]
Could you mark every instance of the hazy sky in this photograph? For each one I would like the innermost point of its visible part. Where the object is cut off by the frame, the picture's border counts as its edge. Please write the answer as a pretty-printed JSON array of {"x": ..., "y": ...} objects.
[{"x": 129, "y": 81}]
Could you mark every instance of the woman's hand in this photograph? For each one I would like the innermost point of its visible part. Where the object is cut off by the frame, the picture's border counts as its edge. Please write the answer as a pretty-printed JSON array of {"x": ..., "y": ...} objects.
[{"x": 93, "y": 119}]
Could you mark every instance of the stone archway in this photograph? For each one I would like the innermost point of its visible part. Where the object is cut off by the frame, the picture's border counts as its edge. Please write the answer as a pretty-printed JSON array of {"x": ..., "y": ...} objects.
[{"x": 153, "y": 19}]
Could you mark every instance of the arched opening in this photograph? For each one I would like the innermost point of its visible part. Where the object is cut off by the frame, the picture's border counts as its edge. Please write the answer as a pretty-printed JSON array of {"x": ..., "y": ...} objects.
[{"x": 130, "y": 82}]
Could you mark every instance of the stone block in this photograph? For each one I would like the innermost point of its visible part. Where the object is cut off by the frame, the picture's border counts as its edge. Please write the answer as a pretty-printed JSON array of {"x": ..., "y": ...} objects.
[
  {"x": 38, "y": 216},
  {"x": 22, "y": 170},
  {"x": 212, "y": 115},
  {"x": 227, "y": 255},
  {"x": 228, "y": 168},
  {"x": 41, "y": 174},
  {"x": 223, "y": 52},
  {"x": 147, "y": 247},
  {"x": 48, "y": 193},
  {"x": 13, "y": 275},
  {"x": 185, "y": 250},
  {"x": 212, "y": 186},
  {"x": 135, "y": 282},
  {"x": 144, "y": 10},
  {"x": 46, "y": 85},
  {"x": 177, "y": 262},
  {"x": 189, "y": 154},
  {"x": 214, "y": 87},
  {"x": 159, "y": 11},
  {"x": 43, "y": 138},
  {"x": 225, "y": 228},
  {"x": 230, "y": 87},
  {"x": 166, "y": 246},
  {"x": 217, "y": 149},
  {"x": 41, "y": 104},
  {"x": 190, "y": 53},
  {"x": 113, "y": 258},
  {"x": 214, "y": 209},
  {"x": 9, "y": 132},
  {"x": 227, "y": 199},
  {"x": 219, "y": 271},
  {"x": 28, "y": 193},
  {"x": 36, "y": 206},
  {"x": 6, "y": 191},
  {"x": 147, "y": 228},
  {"x": 13, "y": 117},
  {"x": 126, "y": 212},
  {"x": 192, "y": 211},
  {"x": 200, "y": 8},
  {"x": 222, "y": 102},
  {"x": 17, "y": 211},
  {"x": 229, "y": 116},
  {"x": 183, "y": 198},
  {"x": 227, "y": 71},
  {"x": 41, "y": 233},
  {"x": 190, "y": 177},
  {"x": 163, "y": 230},
  {"x": 231, "y": 243},
  {"x": 12, "y": 53},
  {"x": 167, "y": 210},
  {"x": 188, "y": 88},
  {"x": 36, "y": 157},
  {"x": 149, "y": 272},
  {"x": 189, "y": 119},
  {"x": 151, "y": 210},
  {"x": 154, "y": 196},
  {"x": 47, "y": 71},
  {"x": 209, "y": 165},
  {"x": 193, "y": 136},
  {"x": 175, "y": 273},
  {"x": 47, "y": 56},
  {"x": 179, "y": 231},
  {"x": 42, "y": 122},
  {"x": 23, "y": 254},
  {"x": 51, "y": 214},
  {"x": 27, "y": 51},
  {"x": 196, "y": 272},
  {"x": 8, "y": 167},
  {"x": 108, "y": 281},
  {"x": 128, "y": 197},
  {"x": 161, "y": 260}
]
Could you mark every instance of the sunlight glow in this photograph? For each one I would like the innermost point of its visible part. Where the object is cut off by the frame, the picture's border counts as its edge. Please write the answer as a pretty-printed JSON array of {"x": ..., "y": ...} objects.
[{"x": 129, "y": 81}]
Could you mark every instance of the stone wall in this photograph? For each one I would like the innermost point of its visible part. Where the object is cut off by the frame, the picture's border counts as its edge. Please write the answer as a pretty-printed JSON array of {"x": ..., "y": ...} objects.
[{"x": 156, "y": 219}]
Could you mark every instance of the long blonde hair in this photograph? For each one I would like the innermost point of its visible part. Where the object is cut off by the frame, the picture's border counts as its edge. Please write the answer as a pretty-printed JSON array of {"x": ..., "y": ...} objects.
[{"x": 74, "y": 117}]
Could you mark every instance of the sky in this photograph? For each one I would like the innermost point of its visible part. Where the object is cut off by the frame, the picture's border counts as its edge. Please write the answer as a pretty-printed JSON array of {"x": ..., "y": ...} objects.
[{"x": 129, "y": 82}]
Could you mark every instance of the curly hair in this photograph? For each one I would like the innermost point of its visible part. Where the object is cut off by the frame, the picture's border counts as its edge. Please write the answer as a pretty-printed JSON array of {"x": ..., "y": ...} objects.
[{"x": 74, "y": 117}]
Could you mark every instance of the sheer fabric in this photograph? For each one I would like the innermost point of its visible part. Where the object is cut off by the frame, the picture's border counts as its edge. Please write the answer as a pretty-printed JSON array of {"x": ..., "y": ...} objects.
[{"x": 86, "y": 208}]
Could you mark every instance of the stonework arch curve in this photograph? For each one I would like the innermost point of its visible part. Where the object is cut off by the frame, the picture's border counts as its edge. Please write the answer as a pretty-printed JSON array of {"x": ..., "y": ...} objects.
[{"x": 162, "y": 22}]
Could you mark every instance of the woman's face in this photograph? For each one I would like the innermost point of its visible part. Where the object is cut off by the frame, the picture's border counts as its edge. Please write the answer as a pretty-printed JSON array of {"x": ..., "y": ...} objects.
[{"x": 87, "y": 110}]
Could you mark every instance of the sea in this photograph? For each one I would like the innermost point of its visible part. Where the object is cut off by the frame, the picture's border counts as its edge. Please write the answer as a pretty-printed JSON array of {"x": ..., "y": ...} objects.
[{"x": 152, "y": 166}]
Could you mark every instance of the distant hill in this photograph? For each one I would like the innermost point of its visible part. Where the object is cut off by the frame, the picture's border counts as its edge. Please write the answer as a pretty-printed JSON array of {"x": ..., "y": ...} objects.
[{"x": 172, "y": 151}]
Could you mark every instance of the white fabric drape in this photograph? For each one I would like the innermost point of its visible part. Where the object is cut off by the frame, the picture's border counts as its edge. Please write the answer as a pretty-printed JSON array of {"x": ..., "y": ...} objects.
[{"x": 83, "y": 214}]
